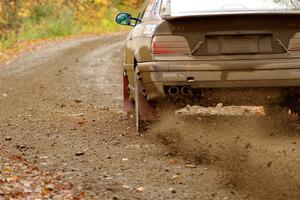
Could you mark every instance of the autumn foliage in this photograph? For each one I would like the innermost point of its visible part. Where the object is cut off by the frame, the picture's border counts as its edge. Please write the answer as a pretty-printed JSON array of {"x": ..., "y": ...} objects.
[{"x": 22, "y": 20}]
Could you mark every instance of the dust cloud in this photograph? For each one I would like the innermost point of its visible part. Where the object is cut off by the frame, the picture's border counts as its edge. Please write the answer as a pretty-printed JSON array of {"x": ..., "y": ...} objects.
[{"x": 261, "y": 154}]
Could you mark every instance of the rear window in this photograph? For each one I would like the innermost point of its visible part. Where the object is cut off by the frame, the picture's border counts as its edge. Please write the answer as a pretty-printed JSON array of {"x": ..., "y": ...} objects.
[{"x": 190, "y": 7}]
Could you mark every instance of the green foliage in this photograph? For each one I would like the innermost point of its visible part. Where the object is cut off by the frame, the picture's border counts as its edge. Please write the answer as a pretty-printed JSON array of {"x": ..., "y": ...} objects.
[
  {"x": 40, "y": 12},
  {"x": 8, "y": 41},
  {"x": 50, "y": 26},
  {"x": 22, "y": 20}
]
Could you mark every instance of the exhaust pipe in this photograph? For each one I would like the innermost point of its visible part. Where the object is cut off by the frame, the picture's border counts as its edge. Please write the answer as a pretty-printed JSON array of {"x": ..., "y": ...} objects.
[
  {"x": 173, "y": 90},
  {"x": 185, "y": 90}
]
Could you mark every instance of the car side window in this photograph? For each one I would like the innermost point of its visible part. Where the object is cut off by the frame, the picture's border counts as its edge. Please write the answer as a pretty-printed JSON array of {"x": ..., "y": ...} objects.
[
  {"x": 146, "y": 9},
  {"x": 143, "y": 9},
  {"x": 156, "y": 7}
]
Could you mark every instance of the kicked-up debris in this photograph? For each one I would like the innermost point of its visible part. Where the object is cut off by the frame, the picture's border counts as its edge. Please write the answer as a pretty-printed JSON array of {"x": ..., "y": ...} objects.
[{"x": 221, "y": 110}]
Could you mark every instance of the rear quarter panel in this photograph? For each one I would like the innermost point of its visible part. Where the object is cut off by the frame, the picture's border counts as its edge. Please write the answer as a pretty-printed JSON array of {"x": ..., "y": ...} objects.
[{"x": 138, "y": 46}]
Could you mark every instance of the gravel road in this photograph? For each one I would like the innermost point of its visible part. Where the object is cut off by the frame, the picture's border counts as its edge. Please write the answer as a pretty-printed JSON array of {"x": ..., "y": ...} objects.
[{"x": 63, "y": 105}]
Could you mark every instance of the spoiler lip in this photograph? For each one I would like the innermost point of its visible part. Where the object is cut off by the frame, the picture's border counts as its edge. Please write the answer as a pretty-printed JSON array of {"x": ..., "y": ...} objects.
[{"x": 234, "y": 13}]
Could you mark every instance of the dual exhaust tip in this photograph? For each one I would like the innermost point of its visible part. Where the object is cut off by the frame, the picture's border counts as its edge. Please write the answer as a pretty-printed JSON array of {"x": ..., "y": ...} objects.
[{"x": 175, "y": 91}]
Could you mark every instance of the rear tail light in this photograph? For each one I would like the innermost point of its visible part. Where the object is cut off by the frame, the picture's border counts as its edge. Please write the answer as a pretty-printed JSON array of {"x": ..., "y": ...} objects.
[
  {"x": 170, "y": 45},
  {"x": 295, "y": 43}
]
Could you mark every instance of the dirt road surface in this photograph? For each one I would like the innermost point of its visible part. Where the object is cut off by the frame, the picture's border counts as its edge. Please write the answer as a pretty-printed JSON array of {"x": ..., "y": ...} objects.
[{"x": 61, "y": 109}]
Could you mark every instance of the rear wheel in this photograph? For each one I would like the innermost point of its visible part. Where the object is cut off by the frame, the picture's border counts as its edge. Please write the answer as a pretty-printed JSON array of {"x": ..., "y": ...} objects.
[{"x": 292, "y": 102}]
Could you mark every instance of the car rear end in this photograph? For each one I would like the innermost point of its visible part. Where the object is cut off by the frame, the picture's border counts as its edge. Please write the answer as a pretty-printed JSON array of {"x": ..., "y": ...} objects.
[{"x": 233, "y": 45}]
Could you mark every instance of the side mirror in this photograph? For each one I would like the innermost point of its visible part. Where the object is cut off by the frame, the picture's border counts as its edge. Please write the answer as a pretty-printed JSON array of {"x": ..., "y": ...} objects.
[{"x": 126, "y": 19}]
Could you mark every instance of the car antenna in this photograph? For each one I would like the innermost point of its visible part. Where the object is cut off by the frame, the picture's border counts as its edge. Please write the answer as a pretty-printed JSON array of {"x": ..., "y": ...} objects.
[
  {"x": 282, "y": 45},
  {"x": 199, "y": 44}
]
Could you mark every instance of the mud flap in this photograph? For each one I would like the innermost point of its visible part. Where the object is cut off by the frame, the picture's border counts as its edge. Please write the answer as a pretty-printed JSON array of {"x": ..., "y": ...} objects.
[
  {"x": 145, "y": 110},
  {"x": 127, "y": 103}
]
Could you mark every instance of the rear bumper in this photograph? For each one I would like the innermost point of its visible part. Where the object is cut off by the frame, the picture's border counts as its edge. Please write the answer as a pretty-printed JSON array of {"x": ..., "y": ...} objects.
[{"x": 283, "y": 72}]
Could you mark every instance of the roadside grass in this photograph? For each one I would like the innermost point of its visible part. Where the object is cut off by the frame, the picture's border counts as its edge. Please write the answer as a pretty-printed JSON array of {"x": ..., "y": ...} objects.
[{"x": 48, "y": 23}]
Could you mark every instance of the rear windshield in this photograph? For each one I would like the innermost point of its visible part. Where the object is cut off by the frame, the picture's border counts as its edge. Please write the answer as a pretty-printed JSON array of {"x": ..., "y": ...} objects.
[{"x": 188, "y": 7}]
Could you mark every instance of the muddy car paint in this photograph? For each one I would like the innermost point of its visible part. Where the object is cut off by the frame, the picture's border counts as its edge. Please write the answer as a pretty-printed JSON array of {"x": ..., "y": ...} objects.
[
  {"x": 221, "y": 51},
  {"x": 137, "y": 49}
]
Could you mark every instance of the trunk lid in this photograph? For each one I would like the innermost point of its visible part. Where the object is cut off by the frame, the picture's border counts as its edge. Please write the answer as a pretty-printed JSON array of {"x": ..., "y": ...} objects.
[{"x": 234, "y": 34}]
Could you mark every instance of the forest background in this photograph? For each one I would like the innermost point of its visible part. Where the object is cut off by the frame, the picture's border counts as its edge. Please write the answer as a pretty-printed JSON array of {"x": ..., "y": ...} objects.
[{"x": 23, "y": 21}]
